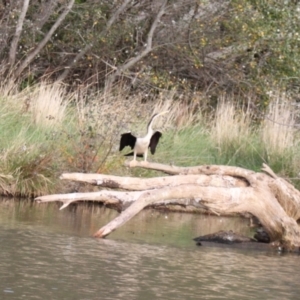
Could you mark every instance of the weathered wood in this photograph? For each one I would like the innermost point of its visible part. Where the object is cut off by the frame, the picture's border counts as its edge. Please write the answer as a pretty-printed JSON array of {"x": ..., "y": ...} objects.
[
  {"x": 139, "y": 184},
  {"x": 287, "y": 195},
  {"x": 218, "y": 189},
  {"x": 205, "y": 169},
  {"x": 106, "y": 197}
]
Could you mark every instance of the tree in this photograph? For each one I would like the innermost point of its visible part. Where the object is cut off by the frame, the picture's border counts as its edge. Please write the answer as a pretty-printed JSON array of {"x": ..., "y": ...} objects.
[
  {"x": 89, "y": 46},
  {"x": 236, "y": 47},
  {"x": 36, "y": 50},
  {"x": 147, "y": 48},
  {"x": 16, "y": 38},
  {"x": 15, "y": 62}
]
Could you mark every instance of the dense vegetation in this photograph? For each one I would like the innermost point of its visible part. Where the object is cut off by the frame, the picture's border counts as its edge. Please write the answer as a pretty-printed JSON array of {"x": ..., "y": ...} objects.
[
  {"x": 46, "y": 130},
  {"x": 75, "y": 74},
  {"x": 238, "y": 47}
]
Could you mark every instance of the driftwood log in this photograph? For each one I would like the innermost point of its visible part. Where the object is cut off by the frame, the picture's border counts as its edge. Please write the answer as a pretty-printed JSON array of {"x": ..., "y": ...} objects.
[{"x": 216, "y": 189}]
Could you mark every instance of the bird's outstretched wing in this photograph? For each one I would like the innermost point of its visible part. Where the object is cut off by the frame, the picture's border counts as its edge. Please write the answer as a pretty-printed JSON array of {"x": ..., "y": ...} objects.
[
  {"x": 154, "y": 141},
  {"x": 127, "y": 139}
]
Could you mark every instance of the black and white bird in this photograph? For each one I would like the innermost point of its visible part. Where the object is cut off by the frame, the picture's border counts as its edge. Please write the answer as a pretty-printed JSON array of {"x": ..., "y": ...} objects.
[{"x": 140, "y": 145}]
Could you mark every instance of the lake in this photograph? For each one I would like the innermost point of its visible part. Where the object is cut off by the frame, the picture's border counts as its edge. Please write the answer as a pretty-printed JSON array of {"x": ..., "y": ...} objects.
[{"x": 50, "y": 254}]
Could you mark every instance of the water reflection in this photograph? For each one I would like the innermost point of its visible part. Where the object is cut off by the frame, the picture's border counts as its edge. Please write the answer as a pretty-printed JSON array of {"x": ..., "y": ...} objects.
[
  {"x": 148, "y": 226},
  {"x": 42, "y": 258}
]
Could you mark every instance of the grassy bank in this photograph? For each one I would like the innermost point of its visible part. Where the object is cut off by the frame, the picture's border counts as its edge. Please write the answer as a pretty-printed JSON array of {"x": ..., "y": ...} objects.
[{"x": 46, "y": 131}]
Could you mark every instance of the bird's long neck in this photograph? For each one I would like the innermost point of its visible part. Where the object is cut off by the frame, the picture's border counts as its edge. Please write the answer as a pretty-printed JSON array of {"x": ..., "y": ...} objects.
[{"x": 149, "y": 127}]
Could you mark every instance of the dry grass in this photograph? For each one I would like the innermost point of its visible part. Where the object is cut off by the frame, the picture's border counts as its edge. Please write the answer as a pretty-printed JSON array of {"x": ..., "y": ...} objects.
[
  {"x": 181, "y": 114},
  {"x": 48, "y": 104},
  {"x": 278, "y": 131},
  {"x": 87, "y": 140},
  {"x": 8, "y": 88},
  {"x": 230, "y": 126},
  {"x": 105, "y": 116},
  {"x": 231, "y": 131},
  {"x": 120, "y": 112}
]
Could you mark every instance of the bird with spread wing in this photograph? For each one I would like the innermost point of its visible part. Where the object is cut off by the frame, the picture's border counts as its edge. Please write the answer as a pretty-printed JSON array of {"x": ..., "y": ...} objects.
[{"x": 140, "y": 145}]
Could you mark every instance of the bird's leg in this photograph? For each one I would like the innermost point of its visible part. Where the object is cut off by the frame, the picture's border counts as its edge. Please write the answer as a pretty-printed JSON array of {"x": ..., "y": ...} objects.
[
  {"x": 133, "y": 162},
  {"x": 145, "y": 158}
]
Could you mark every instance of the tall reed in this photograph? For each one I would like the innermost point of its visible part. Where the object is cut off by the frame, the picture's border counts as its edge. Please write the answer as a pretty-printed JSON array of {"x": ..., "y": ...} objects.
[
  {"x": 230, "y": 128},
  {"x": 48, "y": 104},
  {"x": 278, "y": 129}
]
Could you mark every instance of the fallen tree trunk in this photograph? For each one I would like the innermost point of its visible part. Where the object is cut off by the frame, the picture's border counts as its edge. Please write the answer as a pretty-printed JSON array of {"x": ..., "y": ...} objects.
[{"x": 217, "y": 189}]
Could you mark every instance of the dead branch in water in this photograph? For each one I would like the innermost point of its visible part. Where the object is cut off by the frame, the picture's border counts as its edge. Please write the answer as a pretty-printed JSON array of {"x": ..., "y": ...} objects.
[{"x": 217, "y": 189}]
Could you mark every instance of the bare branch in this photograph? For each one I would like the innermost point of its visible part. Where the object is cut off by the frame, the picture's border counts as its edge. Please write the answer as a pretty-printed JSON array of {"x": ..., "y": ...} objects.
[
  {"x": 30, "y": 57},
  {"x": 204, "y": 169},
  {"x": 107, "y": 197},
  {"x": 139, "y": 184},
  {"x": 16, "y": 38},
  {"x": 42, "y": 16},
  {"x": 131, "y": 62},
  {"x": 110, "y": 22}
]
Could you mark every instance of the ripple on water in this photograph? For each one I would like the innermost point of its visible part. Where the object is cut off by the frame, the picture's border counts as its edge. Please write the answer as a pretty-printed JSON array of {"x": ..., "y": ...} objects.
[{"x": 47, "y": 260}]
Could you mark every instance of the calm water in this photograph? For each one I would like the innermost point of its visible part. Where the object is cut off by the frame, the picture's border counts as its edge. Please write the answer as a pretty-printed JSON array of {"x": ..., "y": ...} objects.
[{"x": 49, "y": 254}]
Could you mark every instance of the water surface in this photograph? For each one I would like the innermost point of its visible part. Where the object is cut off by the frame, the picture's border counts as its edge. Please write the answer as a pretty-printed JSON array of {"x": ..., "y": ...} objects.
[{"x": 49, "y": 254}]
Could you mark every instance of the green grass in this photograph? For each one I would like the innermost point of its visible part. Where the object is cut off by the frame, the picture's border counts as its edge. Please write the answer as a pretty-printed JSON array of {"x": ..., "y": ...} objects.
[
  {"x": 185, "y": 147},
  {"x": 194, "y": 146},
  {"x": 83, "y": 136}
]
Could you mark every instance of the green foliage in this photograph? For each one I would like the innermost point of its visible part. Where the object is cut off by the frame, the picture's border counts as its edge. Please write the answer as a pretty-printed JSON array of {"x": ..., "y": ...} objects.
[
  {"x": 194, "y": 146},
  {"x": 269, "y": 30},
  {"x": 241, "y": 47},
  {"x": 32, "y": 173}
]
